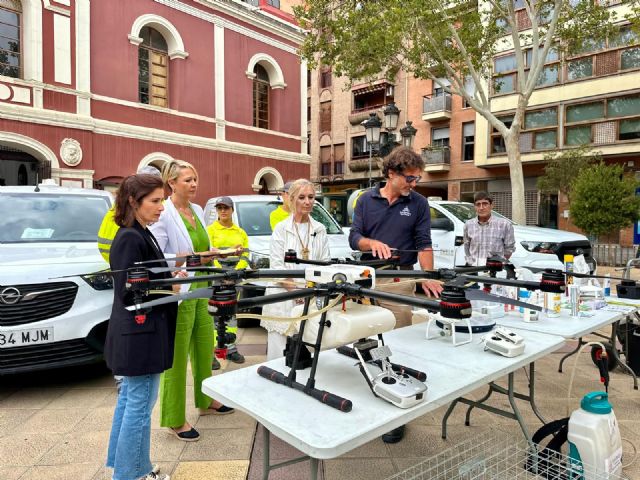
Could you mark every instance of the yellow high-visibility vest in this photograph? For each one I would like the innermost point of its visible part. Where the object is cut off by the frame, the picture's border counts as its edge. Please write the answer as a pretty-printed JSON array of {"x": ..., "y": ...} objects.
[
  {"x": 228, "y": 237},
  {"x": 107, "y": 232},
  {"x": 277, "y": 215}
]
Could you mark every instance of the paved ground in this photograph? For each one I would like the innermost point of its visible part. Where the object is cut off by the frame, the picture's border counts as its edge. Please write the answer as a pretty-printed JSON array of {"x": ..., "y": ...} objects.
[{"x": 56, "y": 426}]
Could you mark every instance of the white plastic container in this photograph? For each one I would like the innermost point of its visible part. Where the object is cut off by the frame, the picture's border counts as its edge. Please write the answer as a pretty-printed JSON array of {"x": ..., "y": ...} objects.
[
  {"x": 552, "y": 304},
  {"x": 595, "y": 446},
  {"x": 356, "y": 322}
]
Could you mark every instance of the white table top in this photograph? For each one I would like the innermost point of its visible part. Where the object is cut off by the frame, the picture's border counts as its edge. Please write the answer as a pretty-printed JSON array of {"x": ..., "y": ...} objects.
[
  {"x": 565, "y": 325},
  {"x": 323, "y": 432}
]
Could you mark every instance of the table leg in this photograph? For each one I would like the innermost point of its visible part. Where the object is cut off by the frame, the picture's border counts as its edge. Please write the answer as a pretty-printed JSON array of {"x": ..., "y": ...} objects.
[
  {"x": 532, "y": 388},
  {"x": 266, "y": 443},
  {"x": 613, "y": 340},
  {"x": 467, "y": 419},
  {"x": 516, "y": 411},
  {"x": 314, "y": 464},
  {"x": 580, "y": 344},
  {"x": 446, "y": 417}
]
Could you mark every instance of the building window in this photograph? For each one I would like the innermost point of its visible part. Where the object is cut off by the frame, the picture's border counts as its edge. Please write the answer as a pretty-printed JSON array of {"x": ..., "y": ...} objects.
[
  {"x": 505, "y": 74},
  {"x": 338, "y": 159},
  {"x": 541, "y": 127},
  {"x": 325, "y": 77},
  {"x": 469, "y": 189},
  {"x": 308, "y": 109},
  {"x": 153, "y": 68},
  {"x": 497, "y": 142},
  {"x": 359, "y": 147},
  {"x": 10, "y": 60},
  {"x": 372, "y": 97},
  {"x": 325, "y": 161},
  {"x": 325, "y": 117},
  {"x": 440, "y": 137},
  {"x": 468, "y": 141},
  {"x": 274, "y": 3},
  {"x": 260, "y": 97},
  {"x": 602, "y": 122},
  {"x": 308, "y": 78},
  {"x": 308, "y": 143}
]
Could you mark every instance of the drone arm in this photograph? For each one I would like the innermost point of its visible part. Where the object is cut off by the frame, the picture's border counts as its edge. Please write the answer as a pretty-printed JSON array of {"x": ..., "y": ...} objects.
[
  {"x": 431, "y": 305},
  {"x": 275, "y": 298}
]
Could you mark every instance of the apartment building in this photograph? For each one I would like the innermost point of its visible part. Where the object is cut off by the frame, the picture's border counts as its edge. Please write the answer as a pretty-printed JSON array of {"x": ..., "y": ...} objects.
[
  {"x": 92, "y": 90},
  {"x": 592, "y": 97}
]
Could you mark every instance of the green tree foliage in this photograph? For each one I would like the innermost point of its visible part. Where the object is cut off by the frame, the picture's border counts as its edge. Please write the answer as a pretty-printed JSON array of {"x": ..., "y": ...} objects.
[
  {"x": 603, "y": 199},
  {"x": 456, "y": 39},
  {"x": 561, "y": 169}
]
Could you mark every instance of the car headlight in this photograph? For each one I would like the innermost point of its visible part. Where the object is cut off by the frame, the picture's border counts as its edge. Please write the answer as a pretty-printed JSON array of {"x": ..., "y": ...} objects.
[
  {"x": 259, "y": 261},
  {"x": 540, "y": 247},
  {"x": 99, "y": 282}
]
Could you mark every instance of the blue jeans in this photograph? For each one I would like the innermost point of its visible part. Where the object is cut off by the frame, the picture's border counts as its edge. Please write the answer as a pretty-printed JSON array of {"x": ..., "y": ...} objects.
[{"x": 130, "y": 437}]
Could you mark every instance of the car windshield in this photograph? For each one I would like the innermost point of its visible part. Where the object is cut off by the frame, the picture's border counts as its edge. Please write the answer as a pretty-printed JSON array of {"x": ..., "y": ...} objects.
[
  {"x": 465, "y": 211},
  {"x": 36, "y": 217},
  {"x": 253, "y": 218}
]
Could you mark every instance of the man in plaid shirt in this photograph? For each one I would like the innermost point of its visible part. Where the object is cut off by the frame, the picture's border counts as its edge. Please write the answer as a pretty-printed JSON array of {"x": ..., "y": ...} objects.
[{"x": 487, "y": 234}]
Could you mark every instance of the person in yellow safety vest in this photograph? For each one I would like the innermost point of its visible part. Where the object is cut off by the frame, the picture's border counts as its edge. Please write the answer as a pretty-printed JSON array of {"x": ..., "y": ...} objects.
[
  {"x": 283, "y": 211},
  {"x": 108, "y": 227},
  {"x": 224, "y": 234}
]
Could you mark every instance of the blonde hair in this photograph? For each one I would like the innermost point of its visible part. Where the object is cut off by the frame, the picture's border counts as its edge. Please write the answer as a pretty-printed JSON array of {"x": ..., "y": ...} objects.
[
  {"x": 295, "y": 189},
  {"x": 171, "y": 170}
]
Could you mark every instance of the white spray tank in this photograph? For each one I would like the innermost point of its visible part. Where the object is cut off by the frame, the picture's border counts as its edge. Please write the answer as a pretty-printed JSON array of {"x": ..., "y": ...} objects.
[{"x": 595, "y": 446}]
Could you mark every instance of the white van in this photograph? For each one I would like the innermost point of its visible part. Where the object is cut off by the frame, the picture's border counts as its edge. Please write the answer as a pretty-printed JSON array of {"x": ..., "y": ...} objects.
[{"x": 52, "y": 314}]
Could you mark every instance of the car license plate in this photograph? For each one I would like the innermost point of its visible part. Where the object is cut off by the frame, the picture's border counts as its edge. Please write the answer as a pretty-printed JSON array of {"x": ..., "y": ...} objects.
[{"x": 20, "y": 338}]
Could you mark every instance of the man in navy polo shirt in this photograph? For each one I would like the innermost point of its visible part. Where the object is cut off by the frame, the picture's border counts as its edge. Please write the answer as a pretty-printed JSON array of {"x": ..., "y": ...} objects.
[{"x": 396, "y": 217}]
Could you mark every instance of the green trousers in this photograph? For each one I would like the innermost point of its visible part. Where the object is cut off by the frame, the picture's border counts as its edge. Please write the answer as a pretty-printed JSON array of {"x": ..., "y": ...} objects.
[{"x": 194, "y": 339}]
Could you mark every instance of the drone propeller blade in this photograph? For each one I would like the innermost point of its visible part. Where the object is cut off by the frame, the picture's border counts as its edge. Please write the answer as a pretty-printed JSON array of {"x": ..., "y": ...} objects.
[
  {"x": 92, "y": 274},
  {"x": 198, "y": 293},
  {"x": 475, "y": 294},
  {"x": 572, "y": 274}
]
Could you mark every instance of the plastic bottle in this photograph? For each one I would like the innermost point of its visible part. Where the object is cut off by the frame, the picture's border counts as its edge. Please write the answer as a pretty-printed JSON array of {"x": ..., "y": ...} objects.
[
  {"x": 568, "y": 267},
  {"x": 606, "y": 285},
  {"x": 552, "y": 304},
  {"x": 595, "y": 446}
]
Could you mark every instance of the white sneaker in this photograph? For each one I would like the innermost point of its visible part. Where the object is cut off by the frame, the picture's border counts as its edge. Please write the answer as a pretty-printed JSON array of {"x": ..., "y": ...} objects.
[
  {"x": 154, "y": 476},
  {"x": 155, "y": 468}
]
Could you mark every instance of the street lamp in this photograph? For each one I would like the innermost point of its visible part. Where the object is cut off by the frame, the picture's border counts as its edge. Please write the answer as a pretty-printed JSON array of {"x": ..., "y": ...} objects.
[
  {"x": 408, "y": 133},
  {"x": 372, "y": 127},
  {"x": 391, "y": 114}
]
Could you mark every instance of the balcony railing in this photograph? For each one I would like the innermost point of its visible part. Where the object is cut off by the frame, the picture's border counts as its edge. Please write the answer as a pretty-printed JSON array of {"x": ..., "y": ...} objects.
[
  {"x": 436, "y": 108},
  {"x": 437, "y": 159}
]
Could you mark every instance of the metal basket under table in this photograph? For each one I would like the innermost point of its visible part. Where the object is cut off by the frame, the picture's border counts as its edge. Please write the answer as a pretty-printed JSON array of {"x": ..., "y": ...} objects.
[{"x": 496, "y": 456}]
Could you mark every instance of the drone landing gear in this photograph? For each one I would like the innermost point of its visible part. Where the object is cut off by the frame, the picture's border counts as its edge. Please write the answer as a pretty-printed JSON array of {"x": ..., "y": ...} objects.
[
  {"x": 398, "y": 385},
  {"x": 449, "y": 328},
  {"x": 298, "y": 361}
]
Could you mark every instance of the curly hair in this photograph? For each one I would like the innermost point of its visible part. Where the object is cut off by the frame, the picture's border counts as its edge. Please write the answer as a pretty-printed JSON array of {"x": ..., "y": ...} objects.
[
  {"x": 134, "y": 188},
  {"x": 401, "y": 159}
]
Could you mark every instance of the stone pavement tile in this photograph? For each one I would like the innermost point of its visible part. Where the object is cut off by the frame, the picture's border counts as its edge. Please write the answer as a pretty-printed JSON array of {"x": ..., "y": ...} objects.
[
  {"x": 279, "y": 450},
  {"x": 165, "y": 447},
  {"x": 27, "y": 449},
  {"x": 234, "y": 420},
  {"x": 98, "y": 419},
  {"x": 250, "y": 361},
  {"x": 252, "y": 349},
  {"x": 85, "y": 397},
  {"x": 58, "y": 421},
  {"x": 220, "y": 470},
  {"x": 297, "y": 471},
  {"x": 6, "y": 392},
  {"x": 109, "y": 400},
  {"x": 105, "y": 473},
  {"x": 12, "y": 473},
  {"x": 10, "y": 420},
  {"x": 27, "y": 398},
  {"x": 373, "y": 449},
  {"x": 88, "y": 446},
  {"x": 358, "y": 469},
  {"x": 75, "y": 471},
  {"x": 220, "y": 444},
  {"x": 423, "y": 441},
  {"x": 403, "y": 464}
]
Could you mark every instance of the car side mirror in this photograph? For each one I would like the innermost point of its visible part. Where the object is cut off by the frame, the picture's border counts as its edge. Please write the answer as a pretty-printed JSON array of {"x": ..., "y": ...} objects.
[{"x": 442, "y": 223}]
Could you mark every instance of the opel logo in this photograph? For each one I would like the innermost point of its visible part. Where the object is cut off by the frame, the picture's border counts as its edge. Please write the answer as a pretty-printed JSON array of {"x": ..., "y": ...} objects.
[{"x": 10, "y": 295}]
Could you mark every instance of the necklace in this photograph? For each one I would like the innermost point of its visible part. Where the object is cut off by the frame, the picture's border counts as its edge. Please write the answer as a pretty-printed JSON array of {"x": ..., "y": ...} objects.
[{"x": 305, "y": 246}]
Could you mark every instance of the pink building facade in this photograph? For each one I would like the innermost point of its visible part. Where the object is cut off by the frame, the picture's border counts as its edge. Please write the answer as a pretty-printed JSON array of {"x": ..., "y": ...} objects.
[{"x": 92, "y": 90}]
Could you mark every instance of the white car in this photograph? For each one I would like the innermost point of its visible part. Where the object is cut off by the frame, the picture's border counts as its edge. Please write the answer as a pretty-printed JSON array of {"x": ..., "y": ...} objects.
[
  {"x": 251, "y": 213},
  {"x": 47, "y": 321}
]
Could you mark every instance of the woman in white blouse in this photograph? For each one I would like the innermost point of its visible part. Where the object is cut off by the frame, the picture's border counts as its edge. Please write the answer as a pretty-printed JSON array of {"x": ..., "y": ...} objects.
[{"x": 308, "y": 238}]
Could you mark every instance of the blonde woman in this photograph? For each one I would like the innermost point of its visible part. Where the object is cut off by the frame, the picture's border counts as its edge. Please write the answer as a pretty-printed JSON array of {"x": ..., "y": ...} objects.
[
  {"x": 309, "y": 239},
  {"x": 181, "y": 231}
]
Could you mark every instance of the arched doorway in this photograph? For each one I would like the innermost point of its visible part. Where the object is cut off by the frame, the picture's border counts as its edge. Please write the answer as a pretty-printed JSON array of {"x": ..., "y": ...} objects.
[
  {"x": 267, "y": 180},
  {"x": 19, "y": 168}
]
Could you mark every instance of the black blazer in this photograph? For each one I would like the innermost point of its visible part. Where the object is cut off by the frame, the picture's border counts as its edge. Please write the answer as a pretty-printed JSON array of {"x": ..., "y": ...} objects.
[{"x": 133, "y": 349}]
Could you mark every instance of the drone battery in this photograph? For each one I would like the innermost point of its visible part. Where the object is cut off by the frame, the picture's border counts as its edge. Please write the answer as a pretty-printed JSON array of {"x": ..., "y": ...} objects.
[
  {"x": 628, "y": 289},
  {"x": 356, "y": 321},
  {"x": 497, "y": 344}
]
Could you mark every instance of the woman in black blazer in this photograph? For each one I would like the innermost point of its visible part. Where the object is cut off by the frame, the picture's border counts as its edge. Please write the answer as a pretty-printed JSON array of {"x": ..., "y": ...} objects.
[{"x": 137, "y": 347}]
